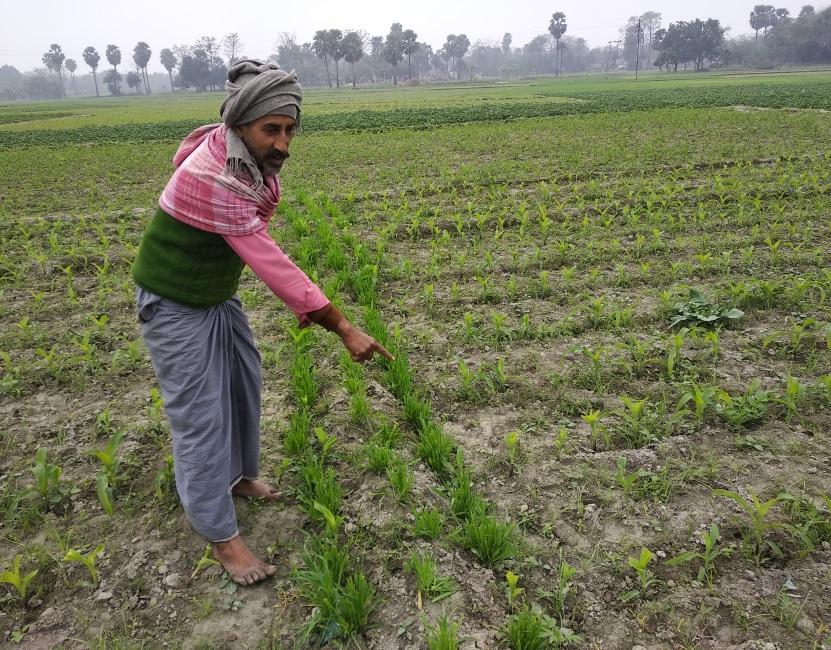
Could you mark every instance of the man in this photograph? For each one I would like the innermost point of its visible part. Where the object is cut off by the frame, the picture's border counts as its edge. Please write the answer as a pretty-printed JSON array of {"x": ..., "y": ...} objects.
[{"x": 212, "y": 221}]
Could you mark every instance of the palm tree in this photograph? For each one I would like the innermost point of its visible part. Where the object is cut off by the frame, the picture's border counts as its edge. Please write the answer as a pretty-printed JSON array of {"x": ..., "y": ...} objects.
[
  {"x": 352, "y": 47},
  {"x": 91, "y": 58},
  {"x": 134, "y": 80},
  {"x": 557, "y": 26},
  {"x": 72, "y": 66},
  {"x": 53, "y": 59},
  {"x": 141, "y": 57},
  {"x": 394, "y": 49},
  {"x": 408, "y": 37},
  {"x": 335, "y": 51},
  {"x": 113, "y": 54},
  {"x": 168, "y": 60}
]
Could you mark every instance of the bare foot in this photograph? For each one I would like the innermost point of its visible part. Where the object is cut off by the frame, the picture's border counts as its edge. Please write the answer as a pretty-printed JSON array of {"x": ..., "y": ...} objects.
[
  {"x": 240, "y": 563},
  {"x": 255, "y": 489}
]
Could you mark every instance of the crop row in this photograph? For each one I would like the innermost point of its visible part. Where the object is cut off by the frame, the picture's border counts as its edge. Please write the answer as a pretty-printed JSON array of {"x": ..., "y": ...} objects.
[{"x": 808, "y": 96}]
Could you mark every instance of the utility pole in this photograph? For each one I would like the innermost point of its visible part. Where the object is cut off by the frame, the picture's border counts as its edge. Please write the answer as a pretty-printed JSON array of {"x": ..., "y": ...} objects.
[{"x": 617, "y": 46}]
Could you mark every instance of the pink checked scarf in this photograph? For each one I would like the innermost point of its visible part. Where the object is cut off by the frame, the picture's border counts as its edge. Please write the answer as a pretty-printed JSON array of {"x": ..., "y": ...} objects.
[{"x": 203, "y": 194}]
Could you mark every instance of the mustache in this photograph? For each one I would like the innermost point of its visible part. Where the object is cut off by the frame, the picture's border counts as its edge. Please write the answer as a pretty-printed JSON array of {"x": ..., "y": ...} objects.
[{"x": 277, "y": 157}]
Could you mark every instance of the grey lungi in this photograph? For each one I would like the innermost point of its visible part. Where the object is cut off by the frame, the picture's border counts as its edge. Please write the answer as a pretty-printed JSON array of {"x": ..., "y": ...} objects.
[{"x": 209, "y": 373}]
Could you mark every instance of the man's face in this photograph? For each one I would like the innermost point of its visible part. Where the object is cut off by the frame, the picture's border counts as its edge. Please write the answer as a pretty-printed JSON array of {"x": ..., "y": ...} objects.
[{"x": 268, "y": 139}]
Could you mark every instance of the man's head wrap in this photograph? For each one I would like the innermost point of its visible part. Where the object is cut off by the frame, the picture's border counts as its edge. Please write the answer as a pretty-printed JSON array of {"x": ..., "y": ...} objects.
[
  {"x": 257, "y": 88},
  {"x": 254, "y": 89}
]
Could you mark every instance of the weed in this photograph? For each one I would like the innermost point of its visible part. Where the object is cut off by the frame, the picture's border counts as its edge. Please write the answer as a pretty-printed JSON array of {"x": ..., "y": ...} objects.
[
  {"x": 741, "y": 411},
  {"x": 697, "y": 310},
  {"x": 318, "y": 485}
]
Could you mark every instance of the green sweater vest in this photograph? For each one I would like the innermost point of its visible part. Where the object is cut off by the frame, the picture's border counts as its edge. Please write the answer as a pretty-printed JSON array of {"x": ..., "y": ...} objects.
[{"x": 184, "y": 264}]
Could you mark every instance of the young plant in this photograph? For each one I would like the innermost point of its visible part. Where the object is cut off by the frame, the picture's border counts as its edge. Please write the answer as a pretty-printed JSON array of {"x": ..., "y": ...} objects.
[
  {"x": 428, "y": 581},
  {"x": 16, "y": 579},
  {"x": 646, "y": 578},
  {"x": 707, "y": 570},
  {"x": 492, "y": 541},
  {"x": 204, "y": 562},
  {"x": 512, "y": 449},
  {"x": 108, "y": 457},
  {"x": 741, "y": 411},
  {"x": 443, "y": 636},
  {"x": 755, "y": 534},
  {"x": 402, "y": 479},
  {"x": 676, "y": 342},
  {"x": 435, "y": 448},
  {"x": 513, "y": 590},
  {"x": 165, "y": 480},
  {"x": 318, "y": 485},
  {"x": 88, "y": 560},
  {"x": 428, "y": 524},
  {"x": 702, "y": 398},
  {"x": 592, "y": 418},
  {"x": 47, "y": 480}
]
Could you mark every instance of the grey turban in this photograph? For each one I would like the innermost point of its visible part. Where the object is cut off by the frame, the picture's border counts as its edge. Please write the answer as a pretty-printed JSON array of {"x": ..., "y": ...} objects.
[{"x": 257, "y": 88}]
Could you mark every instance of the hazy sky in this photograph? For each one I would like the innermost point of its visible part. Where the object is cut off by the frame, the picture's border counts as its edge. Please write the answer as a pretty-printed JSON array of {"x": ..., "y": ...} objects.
[{"x": 29, "y": 26}]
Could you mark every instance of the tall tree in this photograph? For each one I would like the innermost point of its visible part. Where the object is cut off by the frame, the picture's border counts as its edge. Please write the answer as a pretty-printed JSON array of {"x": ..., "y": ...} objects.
[
  {"x": 91, "y": 58},
  {"x": 352, "y": 47},
  {"x": 113, "y": 54},
  {"x": 456, "y": 46},
  {"x": 394, "y": 49},
  {"x": 507, "y": 39},
  {"x": 168, "y": 60},
  {"x": 321, "y": 47},
  {"x": 210, "y": 46},
  {"x": 376, "y": 51},
  {"x": 336, "y": 51},
  {"x": 53, "y": 59},
  {"x": 410, "y": 41},
  {"x": 650, "y": 22},
  {"x": 141, "y": 57},
  {"x": 112, "y": 79},
  {"x": 72, "y": 66},
  {"x": 557, "y": 27},
  {"x": 232, "y": 47},
  {"x": 134, "y": 80}
]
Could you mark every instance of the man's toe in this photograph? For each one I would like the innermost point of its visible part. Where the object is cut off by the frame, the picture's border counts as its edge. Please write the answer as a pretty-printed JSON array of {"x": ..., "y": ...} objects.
[{"x": 270, "y": 569}]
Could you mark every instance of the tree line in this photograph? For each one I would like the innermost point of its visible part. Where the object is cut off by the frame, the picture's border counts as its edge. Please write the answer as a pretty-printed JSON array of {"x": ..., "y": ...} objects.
[{"x": 644, "y": 43}]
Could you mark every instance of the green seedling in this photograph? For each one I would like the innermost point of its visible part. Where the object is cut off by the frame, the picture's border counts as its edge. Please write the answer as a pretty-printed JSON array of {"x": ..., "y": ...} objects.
[
  {"x": 110, "y": 462},
  {"x": 402, "y": 479},
  {"x": 702, "y": 398},
  {"x": 325, "y": 441},
  {"x": 88, "y": 560},
  {"x": 809, "y": 525},
  {"x": 443, "y": 636},
  {"x": 756, "y": 543},
  {"x": 16, "y": 579},
  {"x": 428, "y": 581},
  {"x": 526, "y": 630},
  {"x": 707, "y": 570},
  {"x": 379, "y": 457},
  {"x": 513, "y": 590},
  {"x": 512, "y": 447},
  {"x": 646, "y": 578},
  {"x": 435, "y": 448},
  {"x": 165, "y": 479},
  {"x": 561, "y": 442},
  {"x": 47, "y": 480},
  {"x": 592, "y": 418},
  {"x": 676, "y": 342},
  {"x": 333, "y": 522},
  {"x": 492, "y": 541},
  {"x": 428, "y": 524},
  {"x": 741, "y": 411},
  {"x": 205, "y": 562},
  {"x": 296, "y": 439},
  {"x": 792, "y": 397},
  {"x": 318, "y": 485}
]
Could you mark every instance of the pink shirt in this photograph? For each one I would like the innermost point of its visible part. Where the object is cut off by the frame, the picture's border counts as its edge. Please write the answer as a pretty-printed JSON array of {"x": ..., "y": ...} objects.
[{"x": 261, "y": 253}]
